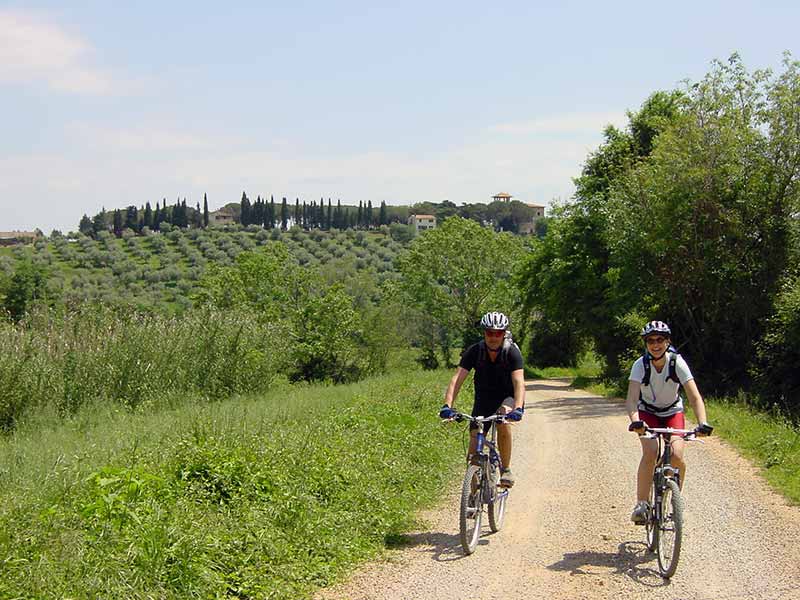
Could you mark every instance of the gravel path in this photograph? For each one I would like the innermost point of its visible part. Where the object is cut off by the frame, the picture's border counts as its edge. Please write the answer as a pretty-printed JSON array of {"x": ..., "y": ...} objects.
[{"x": 567, "y": 533}]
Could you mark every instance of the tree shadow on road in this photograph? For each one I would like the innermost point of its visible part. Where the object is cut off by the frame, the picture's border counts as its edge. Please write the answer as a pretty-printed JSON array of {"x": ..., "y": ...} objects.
[
  {"x": 538, "y": 386},
  {"x": 629, "y": 560},
  {"x": 579, "y": 408}
]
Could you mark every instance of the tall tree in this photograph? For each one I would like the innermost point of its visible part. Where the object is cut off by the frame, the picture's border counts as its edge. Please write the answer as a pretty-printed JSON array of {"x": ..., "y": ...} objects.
[
  {"x": 132, "y": 218},
  {"x": 148, "y": 215},
  {"x": 117, "y": 222},
  {"x": 458, "y": 271},
  {"x": 85, "y": 225},
  {"x": 245, "y": 210},
  {"x": 205, "y": 210},
  {"x": 284, "y": 214}
]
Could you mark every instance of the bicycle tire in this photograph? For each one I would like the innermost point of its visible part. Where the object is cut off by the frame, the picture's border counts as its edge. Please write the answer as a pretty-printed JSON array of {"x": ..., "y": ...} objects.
[
  {"x": 471, "y": 509},
  {"x": 497, "y": 507},
  {"x": 650, "y": 526},
  {"x": 670, "y": 535}
]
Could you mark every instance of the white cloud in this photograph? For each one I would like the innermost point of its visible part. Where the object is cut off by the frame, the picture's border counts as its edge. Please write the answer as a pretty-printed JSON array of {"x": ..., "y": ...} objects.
[
  {"x": 573, "y": 123},
  {"x": 34, "y": 50},
  {"x": 143, "y": 139}
]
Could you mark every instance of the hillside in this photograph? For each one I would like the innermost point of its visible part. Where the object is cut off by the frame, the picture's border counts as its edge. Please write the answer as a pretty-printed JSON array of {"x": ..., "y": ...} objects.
[{"x": 160, "y": 270}]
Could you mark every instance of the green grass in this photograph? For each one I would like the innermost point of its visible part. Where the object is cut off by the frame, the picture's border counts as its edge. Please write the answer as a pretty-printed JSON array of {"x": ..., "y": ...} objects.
[
  {"x": 770, "y": 442},
  {"x": 262, "y": 496},
  {"x": 585, "y": 373}
]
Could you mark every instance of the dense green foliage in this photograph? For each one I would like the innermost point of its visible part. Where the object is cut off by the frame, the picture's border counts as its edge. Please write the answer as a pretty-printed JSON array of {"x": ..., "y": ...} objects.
[
  {"x": 686, "y": 216},
  {"x": 58, "y": 364},
  {"x": 270, "y": 496},
  {"x": 455, "y": 273}
]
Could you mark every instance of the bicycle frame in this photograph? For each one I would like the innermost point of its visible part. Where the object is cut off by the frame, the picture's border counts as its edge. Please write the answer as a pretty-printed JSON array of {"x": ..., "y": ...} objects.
[
  {"x": 480, "y": 486},
  {"x": 665, "y": 492}
]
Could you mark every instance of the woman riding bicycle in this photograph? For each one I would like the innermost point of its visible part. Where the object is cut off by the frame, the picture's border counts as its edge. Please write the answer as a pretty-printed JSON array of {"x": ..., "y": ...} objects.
[{"x": 654, "y": 399}]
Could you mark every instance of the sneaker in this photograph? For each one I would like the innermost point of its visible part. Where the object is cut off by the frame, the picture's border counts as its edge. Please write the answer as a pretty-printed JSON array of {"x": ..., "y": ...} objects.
[
  {"x": 640, "y": 512},
  {"x": 507, "y": 479}
]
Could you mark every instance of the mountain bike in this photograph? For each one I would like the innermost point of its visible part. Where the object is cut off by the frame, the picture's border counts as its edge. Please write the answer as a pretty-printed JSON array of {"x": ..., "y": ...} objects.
[
  {"x": 664, "y": 525},
  {"x": 481, "y": 484}
]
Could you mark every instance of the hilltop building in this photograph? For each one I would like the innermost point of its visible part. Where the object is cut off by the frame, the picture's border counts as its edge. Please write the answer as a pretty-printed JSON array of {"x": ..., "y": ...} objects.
[
  {"x": 422, "y": 222},
  {"x": 13, "y": 238},
  {"x": 220, "y": 218}
]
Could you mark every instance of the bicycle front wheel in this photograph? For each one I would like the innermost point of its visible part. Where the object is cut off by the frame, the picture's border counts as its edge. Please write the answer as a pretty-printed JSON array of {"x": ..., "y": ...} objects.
[
  {"x": 651, "y": 526},
  {"x": 470, "y": 518},
  {"x": 497, "y": 508},
  {"x": 670, "y": 529}
]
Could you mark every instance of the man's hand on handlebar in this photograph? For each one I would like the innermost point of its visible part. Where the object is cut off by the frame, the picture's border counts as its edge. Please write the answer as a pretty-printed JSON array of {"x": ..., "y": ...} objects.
[
  {"x": 516, "y": 414},
  {"x": 447, "y": 412}
]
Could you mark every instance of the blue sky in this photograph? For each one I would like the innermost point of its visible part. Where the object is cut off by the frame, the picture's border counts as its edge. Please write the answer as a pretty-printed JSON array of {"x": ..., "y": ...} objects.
[{"x": 106, "y": 104}]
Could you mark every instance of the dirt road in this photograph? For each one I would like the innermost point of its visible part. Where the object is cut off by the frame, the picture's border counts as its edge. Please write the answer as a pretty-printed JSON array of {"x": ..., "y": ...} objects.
[{"x": 567, "y": 533}]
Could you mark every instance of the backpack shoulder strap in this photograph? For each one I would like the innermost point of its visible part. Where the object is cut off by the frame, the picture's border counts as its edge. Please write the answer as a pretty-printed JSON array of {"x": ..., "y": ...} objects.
[
  {"x": 673, "y": 373},
  {"x": 646, "y": 363}
]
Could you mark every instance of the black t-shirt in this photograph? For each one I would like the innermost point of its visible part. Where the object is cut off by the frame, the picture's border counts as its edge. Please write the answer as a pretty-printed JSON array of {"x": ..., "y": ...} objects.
[{"x": 492, "y": 379}]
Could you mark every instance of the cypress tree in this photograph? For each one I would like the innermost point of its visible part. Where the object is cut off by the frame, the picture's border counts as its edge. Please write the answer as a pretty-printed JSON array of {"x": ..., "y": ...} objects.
[
  {"x": 245, "y": 204},
  {"x": 205, "y": 211},
  {"x": 156, "y": 217},
  {"x": 284, "y": 214},
  {"x": 117, "y": 222},
  {"x": 132, "y": 218},
  {"x": 271, "y": 212},
  {"x": 382, "y": 216},
  {"x": 85, "y": 226},
  {"x": 297, "y": 211},
  {"x": 148, "y": 216},
  {"x": 360, "y": 219},
  {"x": 369, "y": 215},
  {"x": 328, "y": 216}
]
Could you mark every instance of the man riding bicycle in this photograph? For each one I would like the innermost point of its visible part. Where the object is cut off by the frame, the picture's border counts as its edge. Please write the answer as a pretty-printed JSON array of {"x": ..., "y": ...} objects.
[
  {"x": 654, "y": 400},
  {"x": 499, "y": 385}
]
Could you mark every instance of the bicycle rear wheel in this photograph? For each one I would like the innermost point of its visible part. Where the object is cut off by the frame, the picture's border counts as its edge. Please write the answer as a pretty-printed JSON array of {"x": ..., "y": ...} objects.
[
  {"x": 497, "y": 507},
  {"x": 670, "y": 529},
  {"x": 651, "y": 526},
  {"x": 470, "y": 517}
]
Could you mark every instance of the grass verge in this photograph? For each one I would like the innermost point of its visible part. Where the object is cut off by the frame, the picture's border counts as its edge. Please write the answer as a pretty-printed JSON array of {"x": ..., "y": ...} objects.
[
  {"x": 770, "y": 442},
  {"x": 270, "y": 496}
]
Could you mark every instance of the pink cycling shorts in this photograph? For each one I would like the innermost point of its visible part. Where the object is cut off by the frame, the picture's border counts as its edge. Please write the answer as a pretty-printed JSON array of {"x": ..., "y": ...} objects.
[{"x": 675, "y": 421}]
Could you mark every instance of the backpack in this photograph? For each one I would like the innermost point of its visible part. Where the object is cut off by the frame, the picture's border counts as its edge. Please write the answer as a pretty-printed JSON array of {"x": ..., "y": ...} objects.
[
  {"x": 672, "y": 358},
  {"x": 502, "y": 358}
]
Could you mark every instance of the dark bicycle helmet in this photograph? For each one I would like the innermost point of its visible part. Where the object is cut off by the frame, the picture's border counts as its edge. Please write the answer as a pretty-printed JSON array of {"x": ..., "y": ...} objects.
[
  {"x": 656, "y": 327},
  {"x": 494, "y": 320}
]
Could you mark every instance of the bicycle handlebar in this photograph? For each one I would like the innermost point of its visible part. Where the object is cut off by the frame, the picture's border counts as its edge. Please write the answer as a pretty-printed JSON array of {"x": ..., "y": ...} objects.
[
  {"x": 466, "y": 417},
  {"x": 653, "y": 432}
]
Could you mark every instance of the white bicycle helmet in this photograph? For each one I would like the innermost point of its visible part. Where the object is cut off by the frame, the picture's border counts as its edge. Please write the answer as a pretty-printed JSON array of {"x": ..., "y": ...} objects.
[
  {"x": 494, "y": 320},
  {"x": 656, "y": 327}
]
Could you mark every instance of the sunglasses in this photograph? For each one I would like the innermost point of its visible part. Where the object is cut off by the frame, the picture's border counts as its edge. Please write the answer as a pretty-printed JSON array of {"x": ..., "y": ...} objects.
[
  {"x": 655, "y": 340},
  {"x": 494, "y": 332}
]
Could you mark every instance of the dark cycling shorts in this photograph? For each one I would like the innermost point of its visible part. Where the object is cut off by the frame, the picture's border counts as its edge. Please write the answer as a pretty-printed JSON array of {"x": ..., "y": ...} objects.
[
  {"x": 487, "y": 409},
  {"x": 675, "y": 421}
]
